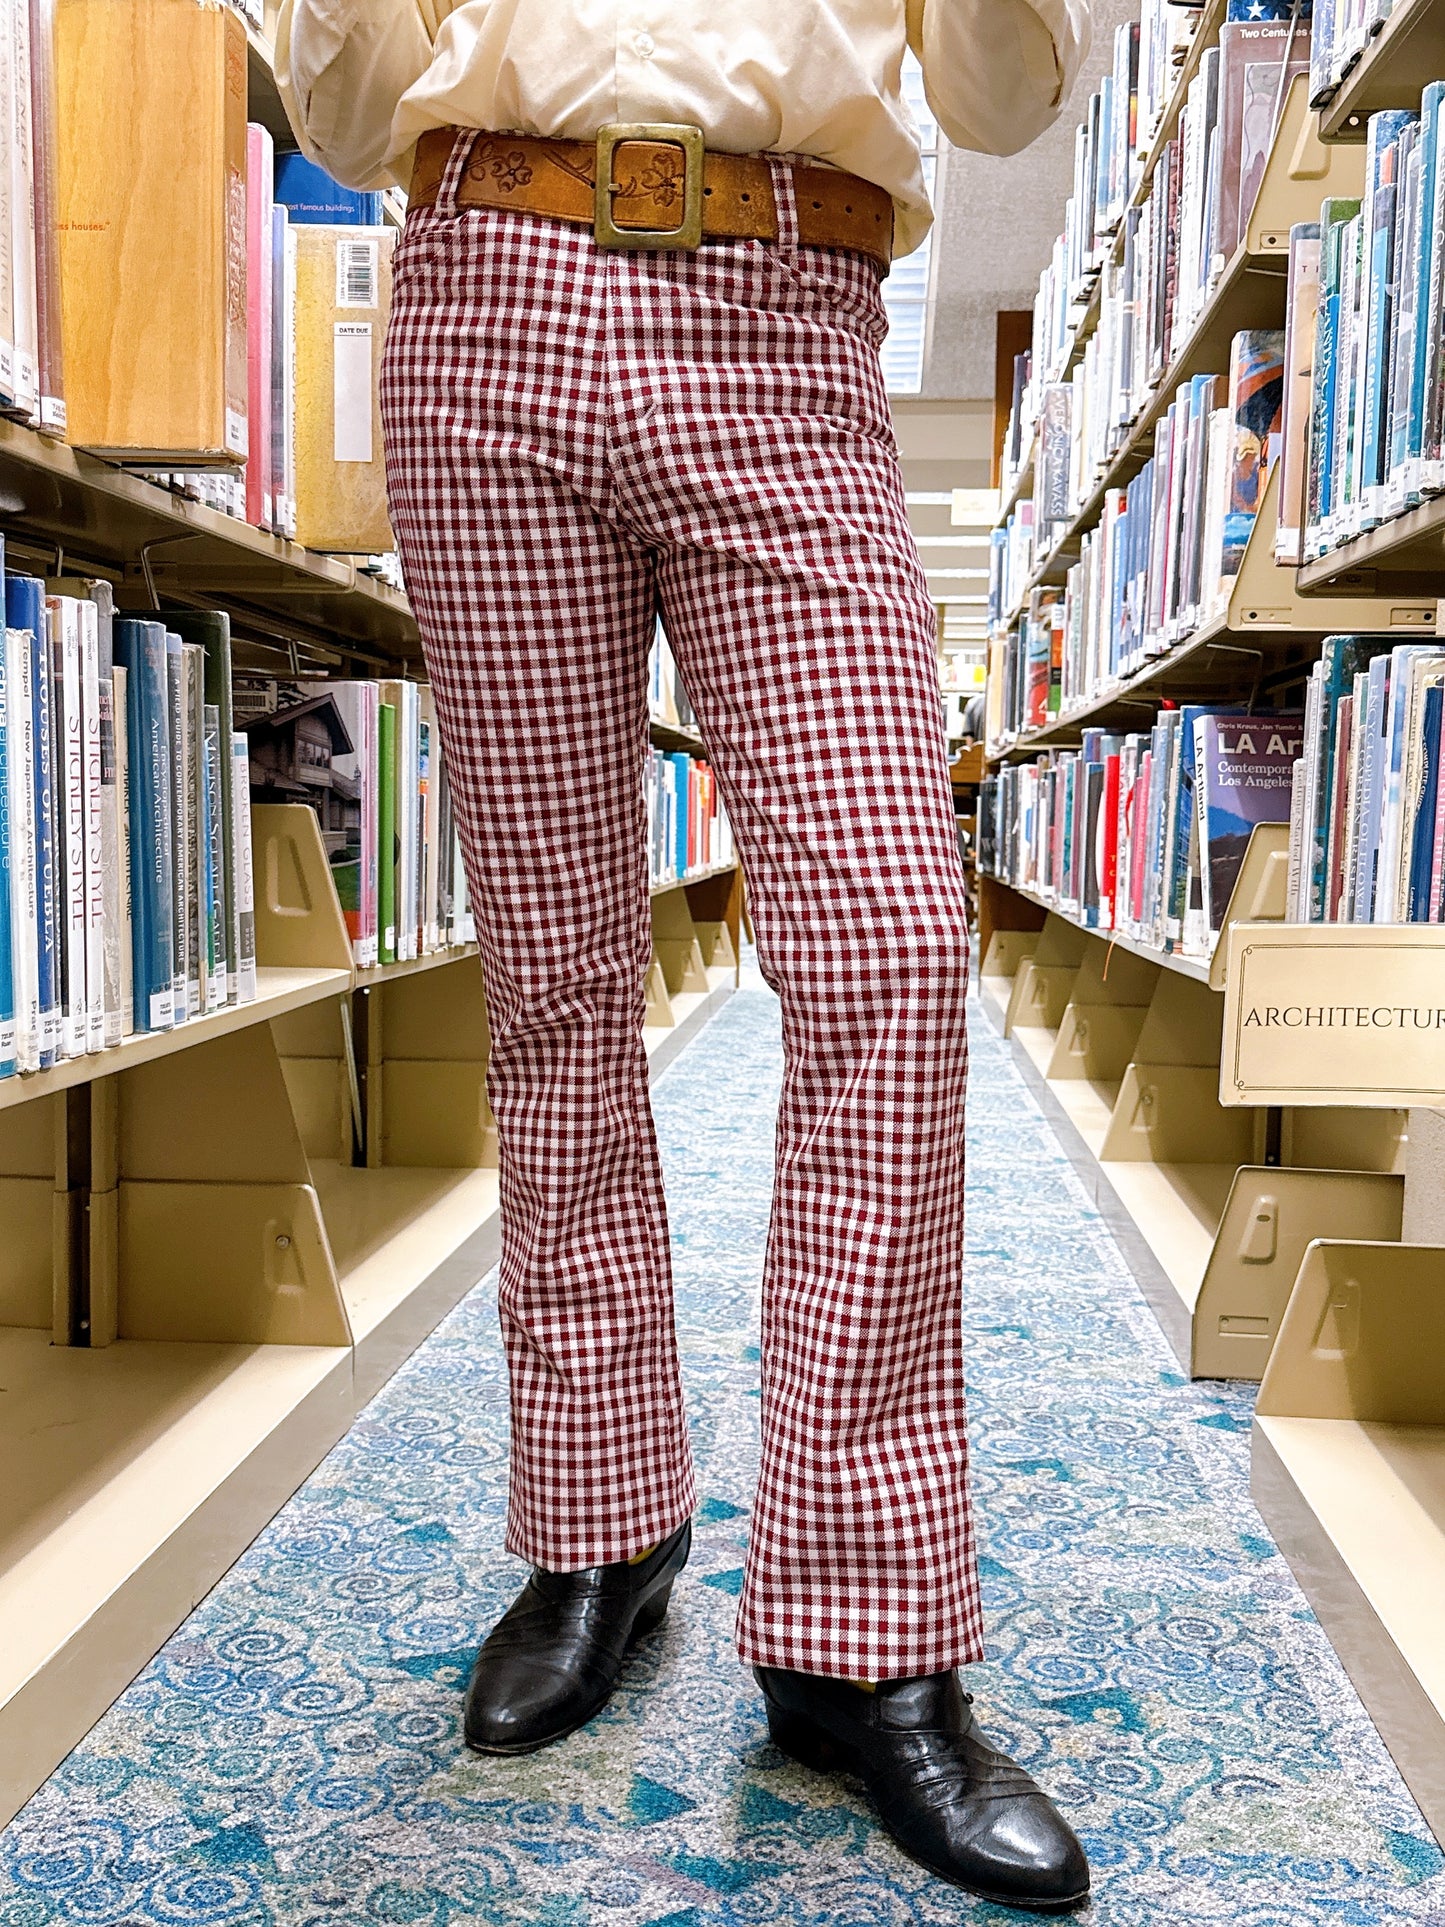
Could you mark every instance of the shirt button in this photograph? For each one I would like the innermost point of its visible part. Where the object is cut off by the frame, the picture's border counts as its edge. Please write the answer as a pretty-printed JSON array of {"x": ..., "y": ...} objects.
[{"x": 645, "y": 45}]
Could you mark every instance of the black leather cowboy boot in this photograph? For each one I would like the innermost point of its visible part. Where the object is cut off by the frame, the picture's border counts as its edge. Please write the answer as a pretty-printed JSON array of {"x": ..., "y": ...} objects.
[
  {"x": 554, "y": 1659},
  {"x": 944, "y": 1795}
]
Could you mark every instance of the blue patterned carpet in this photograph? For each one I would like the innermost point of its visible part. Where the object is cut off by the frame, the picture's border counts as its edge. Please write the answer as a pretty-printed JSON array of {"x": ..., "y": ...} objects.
[{"x": 291, "y": 1758}]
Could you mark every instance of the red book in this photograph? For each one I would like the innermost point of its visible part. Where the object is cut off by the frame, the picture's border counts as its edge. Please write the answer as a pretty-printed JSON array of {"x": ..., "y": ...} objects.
[
  {"x": 260, "y": 197},
  {"x": 1109, "y": 843}
]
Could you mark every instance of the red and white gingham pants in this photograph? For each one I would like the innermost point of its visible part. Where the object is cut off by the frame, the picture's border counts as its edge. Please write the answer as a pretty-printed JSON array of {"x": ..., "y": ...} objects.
[{"x": 577, "y": 440}]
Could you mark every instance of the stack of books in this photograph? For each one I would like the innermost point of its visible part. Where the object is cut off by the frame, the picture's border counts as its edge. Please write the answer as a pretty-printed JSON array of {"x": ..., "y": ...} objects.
[
  {"x": 367, "y": 758},
  {"x": 1159, "y": 253},
  {"x": 1166, "y": 550},
  {"x": 126, "y": 894},
  {"x": 1365, "y": 413},
  {"x": 687, "y": 824},
  {"x": 1144, "y": 834},
  {"x": 1367, "y": 826}
]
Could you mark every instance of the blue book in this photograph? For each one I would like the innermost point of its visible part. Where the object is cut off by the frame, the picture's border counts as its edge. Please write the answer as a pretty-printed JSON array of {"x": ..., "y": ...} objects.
[
  {"x": 310, "y": 195},
  {"x": 1422, "y": 842},
  {"x": 1371, "y": 788},
  {"x": 1320, "y": 486},
  {"x": 1430, "y": 102},
  {"x": 682, "y": 765},
  {"x": 1343, "y": 658},
  {"x": 141, "y": 648},
  {"x": 7, "y": 972},
  {"x": 1186, "y": 813},
  {"x": 1379, "y": 254},
  {"x": 1392, "y": 798},
  {"x": 25, "y": 609}
]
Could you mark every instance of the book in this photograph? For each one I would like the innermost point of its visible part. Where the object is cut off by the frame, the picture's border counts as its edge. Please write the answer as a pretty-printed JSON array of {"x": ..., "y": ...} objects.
[
  {"x": 7, "y": 967},
  {"x": 312, "y": 197},
  {"x": 123, "y": 1022},
  {"x": 20, "y": 652},
  {"x": 181, "y": 70},
  {"x": 242, "y": 868},
  {"x": 386, "y": 833},
  {"x": 343, "y": 298},
  {"x": 1258, "y": 59},
  {"x": 1421, "y": 821},
  {"x": 141, "y": 649},
  {"x": 1256, "y": 393},
  {"x": 260, "y": 326},
  {"x": 62, "y": 621},
  {"x": 25, "y": 610},
  {"x": 210, "y": 630},
  {"x": 1300, "y": 328},
  {"x": 49, "y": 332}
]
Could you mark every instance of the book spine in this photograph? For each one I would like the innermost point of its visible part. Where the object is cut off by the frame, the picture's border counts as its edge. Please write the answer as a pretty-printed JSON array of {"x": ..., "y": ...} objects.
[
  {"x": 386, "y": 814},
  {"x": 49, "y": 332},
  {"x": 47, "y": 844},
  {"x": 260, "y": 187},
  {"x": 87, "y": 622},
  {"x": 215, "y": 979},
  {"x": 236, "y": 365},
  {"x": 24, "y": 866},
  {"x": 62, "y": 621},
  {"x": 22, "y": 179},
  {"x": 246, "y": 983},
  {"x": 7, "y": 969},
  {"x": 180, "y": 918},
  {"x": 197, "y": 836},
  {"x": 124, "y": 859},
  {"x": 153, "y": 810},
  {"x": 7, "y": 206}
]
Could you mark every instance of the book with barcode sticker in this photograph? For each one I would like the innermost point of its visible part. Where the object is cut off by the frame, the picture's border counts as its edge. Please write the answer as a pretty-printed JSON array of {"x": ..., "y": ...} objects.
[{"x": 343, "y": 295}]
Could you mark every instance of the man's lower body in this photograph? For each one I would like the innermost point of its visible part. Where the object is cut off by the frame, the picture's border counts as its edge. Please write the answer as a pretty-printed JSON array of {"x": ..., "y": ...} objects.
[{"x": 579, "y": 440}]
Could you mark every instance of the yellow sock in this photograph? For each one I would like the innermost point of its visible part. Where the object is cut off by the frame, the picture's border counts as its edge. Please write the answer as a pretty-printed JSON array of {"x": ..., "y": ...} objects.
[
  {"x": 865, "y": 1685},
  {"x": 647, "y": 1552}
]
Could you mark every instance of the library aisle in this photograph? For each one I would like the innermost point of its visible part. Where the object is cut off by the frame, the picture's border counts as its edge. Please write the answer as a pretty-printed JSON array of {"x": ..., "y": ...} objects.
[{"x": 292, "y": 1756}]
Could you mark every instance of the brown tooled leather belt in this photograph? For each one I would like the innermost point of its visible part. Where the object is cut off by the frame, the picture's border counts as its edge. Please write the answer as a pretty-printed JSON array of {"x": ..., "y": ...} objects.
[{"x": 659, "y": 188}]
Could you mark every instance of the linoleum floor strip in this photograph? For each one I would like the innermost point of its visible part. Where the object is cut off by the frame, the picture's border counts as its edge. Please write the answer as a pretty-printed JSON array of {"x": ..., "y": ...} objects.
[{"x": 291, "y": 1758}]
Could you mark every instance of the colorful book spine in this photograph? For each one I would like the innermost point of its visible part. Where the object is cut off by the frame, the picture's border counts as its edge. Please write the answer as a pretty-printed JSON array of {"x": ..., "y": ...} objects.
[
  {"x": 141, "y": 648},
  {"x": 7, "y": 968},
  {"x": 242, "y": 864},
  {"x": 386, "y": 832}
]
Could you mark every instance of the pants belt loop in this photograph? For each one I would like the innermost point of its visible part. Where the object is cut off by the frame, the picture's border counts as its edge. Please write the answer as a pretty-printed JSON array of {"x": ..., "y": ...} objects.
[
  {"x": 785, "y": 197},
  {"x": 446, "y": 202}
]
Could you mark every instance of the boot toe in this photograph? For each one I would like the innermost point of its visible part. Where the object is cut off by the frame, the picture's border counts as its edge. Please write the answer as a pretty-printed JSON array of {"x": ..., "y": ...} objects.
[
  {"x": 516, "y": 1707},
  {"x": 1020, "y": 1851}
]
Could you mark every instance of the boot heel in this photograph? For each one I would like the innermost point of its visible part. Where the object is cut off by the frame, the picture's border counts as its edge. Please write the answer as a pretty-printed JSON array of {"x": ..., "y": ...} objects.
[
  {"x": 796, "y": 1736},
  {"x": 650, "y": 1616}
]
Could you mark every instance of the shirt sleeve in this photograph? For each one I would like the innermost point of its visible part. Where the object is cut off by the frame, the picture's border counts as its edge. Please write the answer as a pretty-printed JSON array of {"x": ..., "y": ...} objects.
[
  {"x": 997, "y": 72},
  {"x": 341, "y": 68}
]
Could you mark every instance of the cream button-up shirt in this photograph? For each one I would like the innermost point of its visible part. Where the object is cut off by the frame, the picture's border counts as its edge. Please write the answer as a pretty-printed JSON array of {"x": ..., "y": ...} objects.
[{"x": 362, "y": 79}]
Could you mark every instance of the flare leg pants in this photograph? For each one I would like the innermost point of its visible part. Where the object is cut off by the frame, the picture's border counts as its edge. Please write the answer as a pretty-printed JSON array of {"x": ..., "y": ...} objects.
[{"x": 578, "y": 442}]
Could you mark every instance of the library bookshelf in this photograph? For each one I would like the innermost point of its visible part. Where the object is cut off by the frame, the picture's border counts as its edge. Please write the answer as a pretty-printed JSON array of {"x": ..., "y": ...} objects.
[
  {"x": 1249, "y": 293},
  {"x": 1274, "y": 1226},
  {"x": 222, "y": 1240}
]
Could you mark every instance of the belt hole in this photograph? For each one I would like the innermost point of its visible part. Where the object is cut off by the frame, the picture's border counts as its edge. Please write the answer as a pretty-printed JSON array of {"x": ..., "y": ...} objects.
[
  {"x": 847, "y": 210},
  {"x": 707, "y": 193},
  {"x": 747, "y": 197},
  {"x": 817, "y": 204}
]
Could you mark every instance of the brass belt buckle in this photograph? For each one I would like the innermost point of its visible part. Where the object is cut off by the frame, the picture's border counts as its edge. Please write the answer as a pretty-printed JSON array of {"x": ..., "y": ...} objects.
[{"x": 688, "y": 234}]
